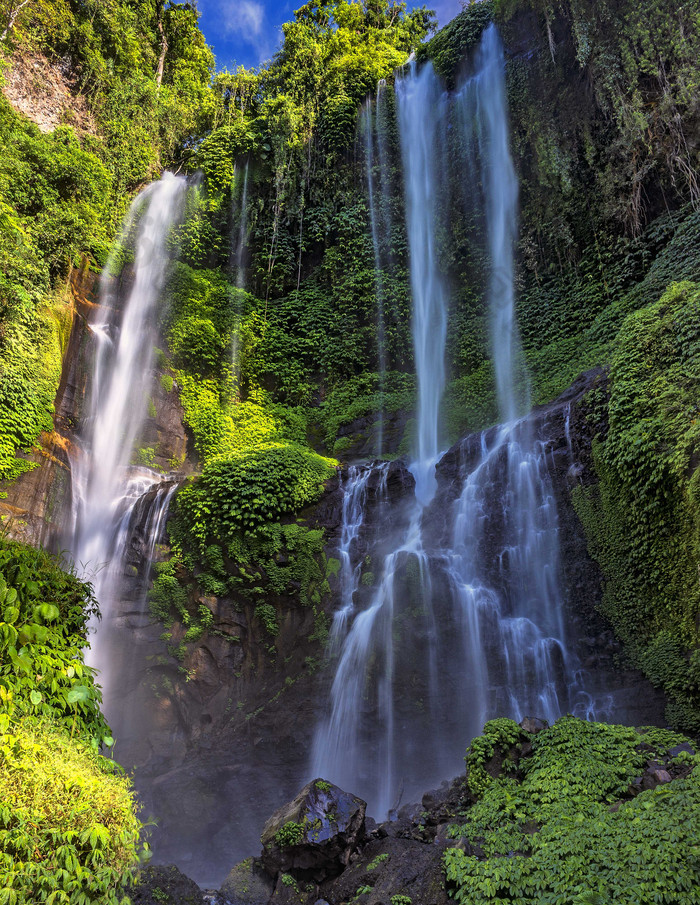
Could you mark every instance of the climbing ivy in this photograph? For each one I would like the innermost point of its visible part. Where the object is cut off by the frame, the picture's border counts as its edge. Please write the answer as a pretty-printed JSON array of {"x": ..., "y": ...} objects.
[{"x": 641, "y": 517}]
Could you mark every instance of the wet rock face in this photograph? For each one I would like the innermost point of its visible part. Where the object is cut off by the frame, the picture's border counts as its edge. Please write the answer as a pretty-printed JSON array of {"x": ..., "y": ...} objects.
[{"x": 315, "y": 834}]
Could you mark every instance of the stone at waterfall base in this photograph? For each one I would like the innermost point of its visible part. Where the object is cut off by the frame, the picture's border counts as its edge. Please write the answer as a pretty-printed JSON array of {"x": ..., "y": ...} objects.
[
  {"x": 314, "y": 835},
  {"x": 165, "y": 883}
]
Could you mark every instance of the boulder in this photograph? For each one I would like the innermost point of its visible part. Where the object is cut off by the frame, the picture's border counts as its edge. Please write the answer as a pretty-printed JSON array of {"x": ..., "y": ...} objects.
[
  {"x": 165, "y": 883},
  {"x": 313, "y": 836},
  {"x": 246, "y": 884},
  {"x": 533, "y": 724}
]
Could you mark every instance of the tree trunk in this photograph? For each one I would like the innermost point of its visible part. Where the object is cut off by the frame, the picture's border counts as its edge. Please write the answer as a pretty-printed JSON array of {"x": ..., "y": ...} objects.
[{"x": 163, "y": 52}]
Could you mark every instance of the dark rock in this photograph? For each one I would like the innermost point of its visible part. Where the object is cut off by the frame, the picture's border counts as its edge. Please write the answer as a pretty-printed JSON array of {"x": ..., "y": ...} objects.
[
  {"x": 436, "y": 797},
  {"x": 314, "y": 836},
  {"x": 683, "y": 748},
  {"x": 370, "y": 826},
  {"x": 533, "y": 724},
  {"x": 165, "y": 885},
  {"x": 247, "y": 884},
  {"x": 390, "y": 867}
]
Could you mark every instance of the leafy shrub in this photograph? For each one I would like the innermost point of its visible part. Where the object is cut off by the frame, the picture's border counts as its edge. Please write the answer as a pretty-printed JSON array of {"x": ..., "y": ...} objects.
[
  {"x": 245, "y": 490},
  {"x": 68, "y": 828},
  {"x": 502, "y": 736},
  {"x": 44, "y": 613},
  {"x": 555, "y": 837},
  {"x": 197, "y": 345}
]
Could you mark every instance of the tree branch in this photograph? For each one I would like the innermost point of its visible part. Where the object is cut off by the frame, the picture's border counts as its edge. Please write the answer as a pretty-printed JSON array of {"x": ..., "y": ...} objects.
[{"x": 12, "y": 19}]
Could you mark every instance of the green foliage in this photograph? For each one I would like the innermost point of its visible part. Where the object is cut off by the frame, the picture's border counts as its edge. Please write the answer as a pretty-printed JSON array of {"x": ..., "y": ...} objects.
[
  {"x": 245, "y": 490},
  {"x": 376, "y": 862},
  {"x": 31, "y": 348},
  {"x": 364, "y": 395},
  {"x": 68, "y": 827},
  {"x": 554, "y": 837},
  {"x": 642, "y": 517},
  {"x": 457, "y": 41},
  {"x": 400, "y": 900},
  {"x": 290, "y": 834},
  {"x": 63, "y": 192},
  {"x": 265, "y": 612},
  {"x": 197, "y": 345},
  {"x": 44, "y": 612},
  {"x": 502, "y": 736}
]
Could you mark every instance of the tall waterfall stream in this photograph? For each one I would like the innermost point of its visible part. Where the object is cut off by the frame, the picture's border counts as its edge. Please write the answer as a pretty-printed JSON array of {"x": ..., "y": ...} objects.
[
  {"x": 109, "y": 493},
  {"x": 471, "y": 623}
]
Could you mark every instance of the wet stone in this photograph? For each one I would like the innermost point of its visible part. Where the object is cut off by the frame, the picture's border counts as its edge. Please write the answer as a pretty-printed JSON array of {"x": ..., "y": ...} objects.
[{"x": 314, "y": 836}]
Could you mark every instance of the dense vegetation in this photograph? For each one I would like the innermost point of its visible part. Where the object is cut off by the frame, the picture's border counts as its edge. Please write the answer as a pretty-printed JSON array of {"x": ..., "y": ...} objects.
[
  {"x": 271, "y": 339},
  {"x": 68, "y": 827},
  {"x": 561, "y": 816},
  {"x": 63, "y": 192},
  {"x": 642, "y": 515}
]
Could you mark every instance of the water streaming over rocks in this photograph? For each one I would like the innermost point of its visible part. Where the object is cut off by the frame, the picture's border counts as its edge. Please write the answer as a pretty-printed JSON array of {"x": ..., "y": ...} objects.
[
  {"x": 109, "y": 493},
  {"x": 467, "y": 617}
]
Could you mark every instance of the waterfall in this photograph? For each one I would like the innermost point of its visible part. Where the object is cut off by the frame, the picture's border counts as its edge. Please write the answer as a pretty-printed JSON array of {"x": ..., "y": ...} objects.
[
  {"x": 467, "y": 621},
  {"x": 367, "y": 735},
  {"x": 422, "y": 119},
  {"x": 483, "y": 115},
  {"x": 240, "y": 228},
  {"x": 105, "y": 487}
]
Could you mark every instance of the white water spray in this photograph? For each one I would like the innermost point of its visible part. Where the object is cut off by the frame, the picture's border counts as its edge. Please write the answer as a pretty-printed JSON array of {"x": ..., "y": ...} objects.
[{"x": 104, "y": 485}]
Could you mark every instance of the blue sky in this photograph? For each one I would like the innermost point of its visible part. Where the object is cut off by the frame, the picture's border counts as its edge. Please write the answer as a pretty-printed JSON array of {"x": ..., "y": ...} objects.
[{"x": 248, "y": 32}]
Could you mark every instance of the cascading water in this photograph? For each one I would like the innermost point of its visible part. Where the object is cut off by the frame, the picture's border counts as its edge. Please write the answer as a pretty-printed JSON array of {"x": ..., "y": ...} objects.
[
  {"x": 240, "y": 231},
  {"x": 239, "y": 241},
  {"x": 466, "y": 623},
  {"x": 366, "y": 735},
  {"x": 105, "y": 487},
  {"x": 378, "y": 270},
  {"x": 422, "y": 112}
]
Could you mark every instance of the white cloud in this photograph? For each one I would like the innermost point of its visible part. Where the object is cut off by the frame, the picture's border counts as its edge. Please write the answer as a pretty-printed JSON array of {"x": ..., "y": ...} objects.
[{"x": 245, "y": 20}]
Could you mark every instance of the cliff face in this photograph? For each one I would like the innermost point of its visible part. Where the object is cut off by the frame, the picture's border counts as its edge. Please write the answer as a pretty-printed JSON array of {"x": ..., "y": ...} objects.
[{"x": 36, "y": 502}]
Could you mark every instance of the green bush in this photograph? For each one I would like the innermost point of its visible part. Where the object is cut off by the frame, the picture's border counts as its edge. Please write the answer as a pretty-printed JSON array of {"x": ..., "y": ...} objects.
[
  {"x": 568, "y": 831},
  {"x": 246, "y": 490},
  {"x": 68, "y": 827},
  {"x": 44, "y": 613},
  {"x": 197, "y": 345}
]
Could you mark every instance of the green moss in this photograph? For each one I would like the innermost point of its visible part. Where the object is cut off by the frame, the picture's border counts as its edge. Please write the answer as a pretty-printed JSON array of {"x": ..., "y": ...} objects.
[
  {"x": 290, "y": 834},
  {"x": 641, "y": 518}
]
